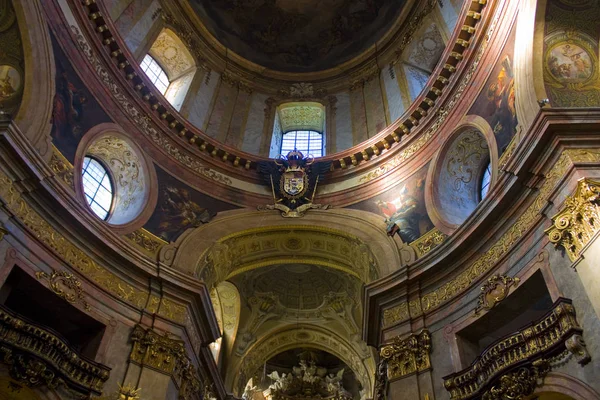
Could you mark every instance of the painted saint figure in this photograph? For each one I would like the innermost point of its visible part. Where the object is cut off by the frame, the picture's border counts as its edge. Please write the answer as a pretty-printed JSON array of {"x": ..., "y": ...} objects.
[{"x": 401, "y": 216}]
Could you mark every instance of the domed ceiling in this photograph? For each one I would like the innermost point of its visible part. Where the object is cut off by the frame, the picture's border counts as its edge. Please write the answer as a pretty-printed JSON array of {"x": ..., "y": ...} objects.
[{"x": 298, "y": 35}]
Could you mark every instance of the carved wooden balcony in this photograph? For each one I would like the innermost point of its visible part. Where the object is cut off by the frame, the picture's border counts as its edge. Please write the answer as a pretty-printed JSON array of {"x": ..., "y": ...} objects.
[
  {"x": 37, "y": 356},
  {"x": 521, "y": 360}
]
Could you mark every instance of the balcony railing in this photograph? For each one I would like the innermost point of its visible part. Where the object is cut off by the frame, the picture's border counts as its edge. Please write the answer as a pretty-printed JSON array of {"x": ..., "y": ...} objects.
[
  {"x": 523, "y": 356},
  {"x": 37, "y": 356}
]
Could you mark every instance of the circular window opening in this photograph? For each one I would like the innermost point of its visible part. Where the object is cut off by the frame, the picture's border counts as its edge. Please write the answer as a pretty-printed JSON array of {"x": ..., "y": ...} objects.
[
  {"x": 97, "y": 187},
  {"x": 486, "y": 179}
]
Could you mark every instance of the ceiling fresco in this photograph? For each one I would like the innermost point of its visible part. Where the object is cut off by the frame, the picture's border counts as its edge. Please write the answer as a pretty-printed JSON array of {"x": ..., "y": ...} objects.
[{"x": 298, "y": 35}]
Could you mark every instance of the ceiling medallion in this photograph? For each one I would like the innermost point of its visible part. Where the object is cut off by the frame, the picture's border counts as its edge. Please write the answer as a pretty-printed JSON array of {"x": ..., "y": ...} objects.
[{"x": 292, "y": 179}]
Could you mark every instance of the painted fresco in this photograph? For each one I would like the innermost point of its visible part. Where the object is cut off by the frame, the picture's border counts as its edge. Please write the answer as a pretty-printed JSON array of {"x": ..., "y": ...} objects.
[
  {"x": 402, "y": 207},
  {"x": 298, "y": 36},
  {"x": 180, "y": 207},
  {"x": 496, "y": 102},
  {"x": 570, "y": 58},
  {"x": 74, "y": 110}
]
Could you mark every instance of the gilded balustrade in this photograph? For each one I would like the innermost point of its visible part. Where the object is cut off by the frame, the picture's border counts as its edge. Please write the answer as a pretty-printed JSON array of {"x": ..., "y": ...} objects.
[
  {"x": 36, "y": 356},
  {"x": 523, "y": 357}
]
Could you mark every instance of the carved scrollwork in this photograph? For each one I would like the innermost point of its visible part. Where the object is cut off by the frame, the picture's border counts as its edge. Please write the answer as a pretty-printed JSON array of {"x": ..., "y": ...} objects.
[
  {"x": 65, "y": 285},
  {"x": 494, "y": 291},
  {"x": 579, "y": 220},
  {"x": 428, "y": 242},
  {"x": 518, "y": 384},
  {"x": 407, "y": 356},
  {"x": 167, "y": 355}
]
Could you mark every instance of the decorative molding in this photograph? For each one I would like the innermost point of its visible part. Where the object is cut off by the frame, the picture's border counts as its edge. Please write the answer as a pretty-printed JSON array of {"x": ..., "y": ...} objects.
[
  {"x": 440, "y": 115},
  {"x": 407, "y": 356},
  {"x": 37, "y": 356},
  {"x": 79, "y": 260},
  {"x": 166, "y": 355},
  {"x": 497, "y": 250},
  {"x": 236, "y": 81},
  {"x": 146, "y": 241},
  {"x": 531, "y": 347},
  {"x": 428, "y": 242},
  {"x": 575, "y": 226},
  {"x": 62, "y": 168},
  {"x": 293, "y": 244},
  {"x": 358, "y": 77},
  {"x": 65, "y": 285},
  {"x": 494, "y": 291},
  {"x": 144, "y": 122},
  {"x": 519, "y": 384}
]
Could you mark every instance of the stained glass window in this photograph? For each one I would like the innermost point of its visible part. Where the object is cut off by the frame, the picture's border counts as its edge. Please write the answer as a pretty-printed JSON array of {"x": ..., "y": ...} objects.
[
  {"x": 308, "y": 142},
  {"x": 98, "y": 187},
  {"x": 156, "y": 74}
]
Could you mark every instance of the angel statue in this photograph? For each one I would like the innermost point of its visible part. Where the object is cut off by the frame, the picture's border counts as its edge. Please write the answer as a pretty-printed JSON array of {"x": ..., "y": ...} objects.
[
  {"x": 334, "y": 381},
  {"x": 280, "y": 383}
]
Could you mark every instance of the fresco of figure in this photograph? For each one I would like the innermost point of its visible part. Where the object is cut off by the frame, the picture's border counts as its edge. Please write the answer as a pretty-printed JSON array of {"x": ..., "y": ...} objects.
[
  {"x": 401, "y": 216},
  {"x": 501, "y": 94}
]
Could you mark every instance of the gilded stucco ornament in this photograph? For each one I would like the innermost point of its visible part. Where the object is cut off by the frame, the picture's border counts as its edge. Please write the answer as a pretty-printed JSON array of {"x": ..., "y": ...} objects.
[
  {"x": 62, "y": 167},
  {"x": 494, "y": 291},
  {"x": 556, "y": 335},
  {"x": 497, "y": 250},
  {"x": 518, "y": 384},
  {"x": 407, "y": 356},
  {"x": 575, "y": 226},
  {"x": 145, "y": 240},
  {"x": 65, "y": 285},
  {"x": 167, "y": 355},
  {"x": 37, "y": 357},
  {"x": 428, "y": 242}
]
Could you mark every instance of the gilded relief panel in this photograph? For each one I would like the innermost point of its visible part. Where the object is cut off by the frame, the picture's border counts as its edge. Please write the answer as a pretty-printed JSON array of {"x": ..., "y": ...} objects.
[
  {"x": 75, "y": 110},
  {"x": 180, "y": 207},
  {"x": 570, "y": 60},
  {"x": 496, "y": 102},
  {"x": 403, "y": 206}
]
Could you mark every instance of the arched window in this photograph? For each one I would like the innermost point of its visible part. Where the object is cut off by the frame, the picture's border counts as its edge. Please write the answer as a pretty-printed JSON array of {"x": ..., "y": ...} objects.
[
  {"x": 97, "y": 187},
  {"x": 308, "y": 142},
  {"x": 156, "y": 74},
  {"x": 486, "y": 179},
  {"x": 170, "y": 66},
  {"x": 300, "y": 126}
]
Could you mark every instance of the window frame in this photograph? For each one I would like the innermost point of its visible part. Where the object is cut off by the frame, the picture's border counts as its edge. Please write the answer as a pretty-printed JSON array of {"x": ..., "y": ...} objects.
[
  {"x": 113, "y": 193},
  {"x": 305, "y": 152},
  {"x": 162, "y": 70},
  {"x": 485, "y": 171}
]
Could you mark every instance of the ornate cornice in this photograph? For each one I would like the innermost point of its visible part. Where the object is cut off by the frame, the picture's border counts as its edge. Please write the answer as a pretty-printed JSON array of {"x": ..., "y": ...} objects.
[
  {"x": 37, "y": 356},
  {"x": 355, "y": 156},
  {"x": 80, "y": 260},
  {"x": 497, "y": 250},
  {"x": 408, "y": 355},
  {"x": 167, "y": 355},
  {"x": 520, "y": 356},
  {"x": 579, "y": 220}
]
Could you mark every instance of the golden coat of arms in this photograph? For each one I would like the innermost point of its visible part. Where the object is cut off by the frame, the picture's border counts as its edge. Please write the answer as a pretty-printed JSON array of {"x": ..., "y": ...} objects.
[{"x": 293, "y": 180}]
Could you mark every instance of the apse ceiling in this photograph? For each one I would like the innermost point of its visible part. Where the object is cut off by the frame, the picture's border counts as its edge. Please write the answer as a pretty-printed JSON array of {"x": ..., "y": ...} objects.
[
  {"x": 297, "y": 286},
  {"x": 298, "y": 35}
]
